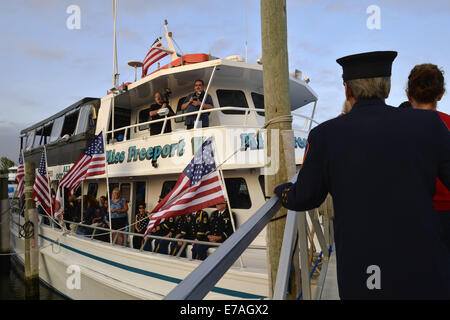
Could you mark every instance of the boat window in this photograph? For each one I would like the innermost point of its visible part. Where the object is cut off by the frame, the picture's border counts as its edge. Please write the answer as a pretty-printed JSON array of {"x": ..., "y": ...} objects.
[
  {"x": 43, "y": 135},
  {"x": 179, "y": 111},
  {"x": 238, "y": 193},
  {"x": 232, "y": 98},
  {"x": 37, "y": 138},
  {"x": 30, "y": 139},
  {"x": 122, "y": 118},
  {"x": 70, "y": 122},
  {"x": 85, "y": 120},
  {"x": 258, "y": 102},
  {"x": 56, "y": 130},
  {"x": 144, "y": 116},
  {"x": 166, "y": 188},
  {"x": 92, "y": 190}
]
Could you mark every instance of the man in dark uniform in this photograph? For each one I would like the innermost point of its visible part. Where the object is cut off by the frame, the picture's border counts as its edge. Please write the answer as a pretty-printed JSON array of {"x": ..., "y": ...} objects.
[
  {"x": 201, "y": 220},
  {"x": 167, "y": 230},
  {"x": 185, "y": 230},
  {"x": 380, "y": 164}
]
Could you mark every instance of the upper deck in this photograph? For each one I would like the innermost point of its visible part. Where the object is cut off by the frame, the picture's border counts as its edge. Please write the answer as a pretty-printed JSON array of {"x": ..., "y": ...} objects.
[{"x": 236, "y": 89}]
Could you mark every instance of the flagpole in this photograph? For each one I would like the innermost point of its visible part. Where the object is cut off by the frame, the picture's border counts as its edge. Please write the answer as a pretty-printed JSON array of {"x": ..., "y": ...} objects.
[
  {"x": 48, "y": 185},
  {"x": 224, "y": 187},
  {"x": 107, "y": 187}
]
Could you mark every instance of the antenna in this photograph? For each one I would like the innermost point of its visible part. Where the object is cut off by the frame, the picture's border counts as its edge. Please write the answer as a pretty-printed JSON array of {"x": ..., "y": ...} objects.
[
  {"x": 115, "y": 65},
  {"x": 168, "y": 35},
  {"x": 135, "y": 65}
]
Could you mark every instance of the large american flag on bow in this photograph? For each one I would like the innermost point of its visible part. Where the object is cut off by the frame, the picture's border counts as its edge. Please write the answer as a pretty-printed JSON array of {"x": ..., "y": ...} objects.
[
  {"x": 90, "y": 163},
  {"x": 198, "y": 187},
  {"x": 153, "y": 55},
  {"x": 20, "y": 178},
  {"x": 41, "y": 188}
]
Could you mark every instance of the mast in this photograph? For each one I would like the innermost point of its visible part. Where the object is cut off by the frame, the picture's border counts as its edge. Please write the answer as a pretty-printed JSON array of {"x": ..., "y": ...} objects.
[
  {"x": 168, "y": 36},
  {"x": 115, "y": 65}
]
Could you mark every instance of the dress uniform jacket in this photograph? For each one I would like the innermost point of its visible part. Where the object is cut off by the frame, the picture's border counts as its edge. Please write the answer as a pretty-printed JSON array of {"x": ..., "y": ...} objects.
[
  {"x": 380, "y": 165},
  {"x": 220, "y": 224},
  {"x": 201, "y": 225}
]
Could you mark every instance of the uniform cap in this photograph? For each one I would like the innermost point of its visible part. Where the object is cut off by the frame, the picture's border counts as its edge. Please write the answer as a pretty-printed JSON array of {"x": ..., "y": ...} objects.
[{"x": 367, "y": 65}]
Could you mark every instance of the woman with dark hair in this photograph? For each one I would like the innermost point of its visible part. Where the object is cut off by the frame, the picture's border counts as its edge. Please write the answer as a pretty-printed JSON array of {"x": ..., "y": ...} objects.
[
  {"x": 142, "y": 219},
  {"x": 426, "y": 87}
]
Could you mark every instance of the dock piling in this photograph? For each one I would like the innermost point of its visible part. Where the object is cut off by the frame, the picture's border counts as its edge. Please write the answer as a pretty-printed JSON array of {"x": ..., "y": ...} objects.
[{"x": 31, "y": 237}]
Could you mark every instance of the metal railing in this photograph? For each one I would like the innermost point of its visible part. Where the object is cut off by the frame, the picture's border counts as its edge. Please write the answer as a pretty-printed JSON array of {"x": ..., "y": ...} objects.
[
  {"x": 247, "y": 112},
  {"x": 202, "y": 280}
]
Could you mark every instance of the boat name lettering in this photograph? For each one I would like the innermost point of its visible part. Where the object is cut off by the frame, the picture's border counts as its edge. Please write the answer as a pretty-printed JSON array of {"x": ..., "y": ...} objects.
[
  {"x": 248, "y": 140},
  {"x": 150, "y": 153}
]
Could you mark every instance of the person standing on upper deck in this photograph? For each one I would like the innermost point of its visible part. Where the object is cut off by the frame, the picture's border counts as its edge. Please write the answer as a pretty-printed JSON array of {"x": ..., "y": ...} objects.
[
  {"x": 380, "y": 165},
  {"x": 193, "y": 102},
  {"x": 156, "y": 128}
]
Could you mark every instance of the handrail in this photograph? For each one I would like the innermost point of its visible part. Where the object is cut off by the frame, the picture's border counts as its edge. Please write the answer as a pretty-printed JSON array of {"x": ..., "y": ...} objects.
[
  {"x": 200, "y": 281},
  {"x": 165, "y": 119},
  {"x": 148, "y": 236}
]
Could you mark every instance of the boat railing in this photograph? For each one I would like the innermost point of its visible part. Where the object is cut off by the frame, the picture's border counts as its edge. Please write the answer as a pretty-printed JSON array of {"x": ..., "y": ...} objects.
[
  {"x": 247, "y": 111},
  {"x": 202, "y": 280},
  {"x": 107, "y": 231}
]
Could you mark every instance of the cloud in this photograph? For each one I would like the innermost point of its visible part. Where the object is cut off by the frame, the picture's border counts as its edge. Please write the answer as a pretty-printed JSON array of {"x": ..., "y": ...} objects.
[
  {"x": 9, "y": 139},
  {"x": 37, "y": 49}
]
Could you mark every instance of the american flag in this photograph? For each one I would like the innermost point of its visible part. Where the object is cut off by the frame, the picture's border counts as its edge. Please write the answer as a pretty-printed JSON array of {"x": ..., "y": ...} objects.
[
  {"x": 198, "y": 187},
  {"x": 90, "y": 163},
  {"x": 20, "y": 178},
  {"x": 41, "y": 187},
  {"x": 153, "y": 55}
]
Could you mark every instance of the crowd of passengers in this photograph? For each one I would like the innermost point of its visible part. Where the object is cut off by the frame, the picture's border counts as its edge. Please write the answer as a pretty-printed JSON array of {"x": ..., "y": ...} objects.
[{"x": 200, "y": 226}]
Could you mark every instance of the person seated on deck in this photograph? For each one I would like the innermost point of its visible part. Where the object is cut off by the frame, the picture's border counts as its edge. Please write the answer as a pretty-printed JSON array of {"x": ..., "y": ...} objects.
[
  {"x": 201, "y": 225},
  {"x": 185, "y": 229},
  {"x": 193, "y": 102},
  {"x": 155, "y": 113},
  {"x": 167, "y": 229},
  {"x": 72, "y": 213}
]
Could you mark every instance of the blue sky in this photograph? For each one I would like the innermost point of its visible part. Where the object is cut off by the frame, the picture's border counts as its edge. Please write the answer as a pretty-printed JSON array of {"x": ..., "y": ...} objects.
[{"x": 46, "y": 66}]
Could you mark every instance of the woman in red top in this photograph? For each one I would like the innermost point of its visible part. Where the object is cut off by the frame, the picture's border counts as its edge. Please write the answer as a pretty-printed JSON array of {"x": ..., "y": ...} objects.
[{"x": 425, "y": 89}]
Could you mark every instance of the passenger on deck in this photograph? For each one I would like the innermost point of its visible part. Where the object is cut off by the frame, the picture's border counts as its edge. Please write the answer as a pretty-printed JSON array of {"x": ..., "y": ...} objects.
[
  {"x": 192, "y": 103},
  {"x": 185, "y": 230},
  {"x": 119, "y": 216},
  {"x": 72, "y": 212},
  {"x": 142, "y": 219},
  {"x": 201, "y": 220},
  {"x": 159, "y": 106},
  {"x": 167, "y": 229}
]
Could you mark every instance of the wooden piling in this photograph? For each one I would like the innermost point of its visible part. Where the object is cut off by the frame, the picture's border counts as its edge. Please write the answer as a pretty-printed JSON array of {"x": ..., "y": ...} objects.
[
  {"x": 4, "y": 213},
  {"x": 278, "y": 113},
  {"x": 31, "y": 237}
]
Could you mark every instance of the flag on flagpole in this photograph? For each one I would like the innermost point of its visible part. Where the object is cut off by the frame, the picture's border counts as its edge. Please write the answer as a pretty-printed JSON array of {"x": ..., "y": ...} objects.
[
  {"x": 41, "y": 188},
  {"x": 198, "y": 187},
  {"x": 90, "y": 163},
  {"x": 153, "y": 55},
  {"x": 59, "y": 210},
  {"x": 20, "y": 178}
]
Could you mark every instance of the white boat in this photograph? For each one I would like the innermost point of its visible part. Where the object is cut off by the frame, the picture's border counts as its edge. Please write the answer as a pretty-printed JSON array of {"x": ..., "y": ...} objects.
[{"x": 146, "y": 166}]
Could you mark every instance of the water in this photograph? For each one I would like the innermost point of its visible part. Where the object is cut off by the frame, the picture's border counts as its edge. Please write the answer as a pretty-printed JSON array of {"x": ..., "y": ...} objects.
[{"x": 12, "y": 282}]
